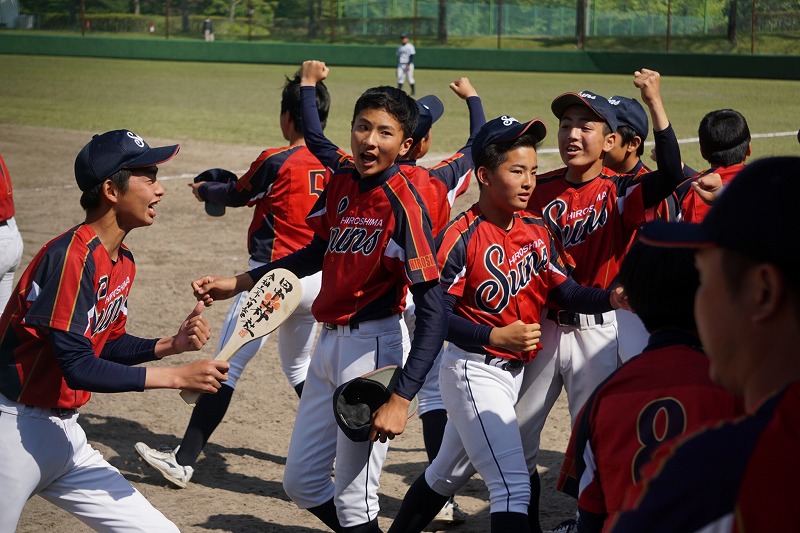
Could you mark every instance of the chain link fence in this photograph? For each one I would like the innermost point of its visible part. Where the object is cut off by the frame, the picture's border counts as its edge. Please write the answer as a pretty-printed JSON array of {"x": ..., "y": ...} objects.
[{"x": 690, "y": 25}]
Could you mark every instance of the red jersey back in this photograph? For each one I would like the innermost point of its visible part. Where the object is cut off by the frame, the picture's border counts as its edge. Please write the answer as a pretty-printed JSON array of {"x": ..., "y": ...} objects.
[
  {"x": 71, "y": 285},
  {"x": 499, "y": 276},
  {"x": 692, "y": 207},
  {"x": 6, "y": 192},
  {"x": 744, "y": 471},
  {"x": 379, "y": 242},
  {"x": 663, "y": 393},
  {"x": 440, "y": 185},
  {"x": 595, "y": 220},
  {"x": 283, "y": 184}
]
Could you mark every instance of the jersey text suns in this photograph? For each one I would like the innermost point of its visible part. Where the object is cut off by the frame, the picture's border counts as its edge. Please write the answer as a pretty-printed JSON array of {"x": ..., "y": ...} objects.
[
  {"x": 494, "y": 294},
  {"x": 578, "y": 224},
  {"x": 110, "y": 305}
]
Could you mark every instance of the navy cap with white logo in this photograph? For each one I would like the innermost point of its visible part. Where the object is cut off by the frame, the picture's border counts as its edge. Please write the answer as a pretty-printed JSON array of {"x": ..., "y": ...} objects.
[
  {"x": 431, "y": 109},
  {"x": 108, "y": 153},
  {"x": 630, "y": 113},
  {"x": 503, "y": 129},
  {"x": 599, "y": 105}
]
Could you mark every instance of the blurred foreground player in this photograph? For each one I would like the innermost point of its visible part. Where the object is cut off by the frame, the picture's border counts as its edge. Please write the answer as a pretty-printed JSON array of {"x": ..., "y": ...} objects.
[{"x": 737, "y": 476}]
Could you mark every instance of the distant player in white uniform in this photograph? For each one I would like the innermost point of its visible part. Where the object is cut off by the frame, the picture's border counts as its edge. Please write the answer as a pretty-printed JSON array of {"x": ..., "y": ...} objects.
[{"x": 405, "y": 63}]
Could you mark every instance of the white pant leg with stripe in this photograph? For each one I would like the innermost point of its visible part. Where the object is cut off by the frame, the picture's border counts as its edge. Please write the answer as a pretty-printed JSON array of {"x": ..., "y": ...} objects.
[
  {"x": 49, "y": 455},
  {"x": 341, "y": 354},
  {"x": 482, "y": 424}
]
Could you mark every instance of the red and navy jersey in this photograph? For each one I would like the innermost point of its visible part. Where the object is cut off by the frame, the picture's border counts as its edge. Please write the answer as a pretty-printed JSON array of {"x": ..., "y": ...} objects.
[
  {"x": 6, "y": 192},
  {"x": 379, "y": 242},
  {"x": 71, "y": 285},
  {"x": 663, "y": 393},
  {"x": 595, "y": 220},
  {"x": 499, "y": 276},
  {"x": 282, "y": 185},
  {"x": 667, "y": 209},
  {"x": 439, "y": 186},
  {"x": 692, "y": 207},
  {"x": 738, "y": 476}
]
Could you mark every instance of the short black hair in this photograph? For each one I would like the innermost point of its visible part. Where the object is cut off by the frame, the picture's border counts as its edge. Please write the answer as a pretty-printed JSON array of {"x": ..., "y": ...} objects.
[
  {"x": 724, "y": 137},
  {"x": 627, "y": 134},
  {"x": 395, "y": 102},
  {"x": 493, "y": 155},
  {"x": 660, "y": 284},
  {"x": 91, "y": 199},
  {"x": 292, "y": 102}
]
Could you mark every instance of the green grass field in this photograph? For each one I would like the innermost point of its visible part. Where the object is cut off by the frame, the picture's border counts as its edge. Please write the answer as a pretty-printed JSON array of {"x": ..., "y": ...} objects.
[{"x": 239, "y": 103}]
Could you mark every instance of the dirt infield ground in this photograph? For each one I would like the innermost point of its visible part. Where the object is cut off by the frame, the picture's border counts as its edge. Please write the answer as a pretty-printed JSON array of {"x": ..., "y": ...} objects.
[{"x": 237, "y": 484}]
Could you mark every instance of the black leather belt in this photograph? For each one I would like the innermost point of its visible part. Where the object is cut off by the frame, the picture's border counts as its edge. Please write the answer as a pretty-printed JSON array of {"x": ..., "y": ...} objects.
[
  {"x": 60, "y": 412},
  {"x": 504, "y": 363},
  {"x": 331, "y": 326},
  {"x": 3, "y": 222},
  {"x": 568, "y": 318}
]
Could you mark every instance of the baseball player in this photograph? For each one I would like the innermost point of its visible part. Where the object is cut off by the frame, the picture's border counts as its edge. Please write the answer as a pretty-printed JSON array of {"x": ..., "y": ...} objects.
[
  {"x": 661, "y": 394},
  {"x": 740, "y": 475},
  {"x": 405, "y": 63},
  {"x": 725, "y": 143},
  {"x": 63, "y": 337},
  {"x": 594, "y": 213},
  {"x": 499, "y": 265},
  {"x": 439, "y": 186},
  {"x": 10, "y": 239},
  {"x": 372, "y": 239},
  {"x": 282, "y": 185},
  {"x": 625, "y": 159}
]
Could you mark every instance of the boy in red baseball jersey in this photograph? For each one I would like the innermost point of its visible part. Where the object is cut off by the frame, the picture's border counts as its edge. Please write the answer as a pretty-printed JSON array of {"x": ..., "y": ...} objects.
[
  {"x": 372, "y": 241},
  {"x": 438, "y": 186},
  {"x": 594, "y": 213},
  {"x": 661, "y": 394},
  {"x": 282, "y": 186},
  {"x": 63, "y": 337},
  {"x": 625, "y": 160},
  {"x": 499, "y": 265},
  {"x": 725, "y": 144},
  {"x": 740, "y": 475}
]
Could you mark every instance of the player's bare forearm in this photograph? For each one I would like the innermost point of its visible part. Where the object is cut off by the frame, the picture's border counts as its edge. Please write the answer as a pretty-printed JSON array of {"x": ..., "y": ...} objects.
[
  {"x": 649, "y": 83},
  {"x": 463, "y": 88},
  {"x": 390, "y": 419},
  {"x": 192, "y": 335},
  {"x": 517, "y": 336},
  {"x": 208, "y": 289},
  {"x": 200, "y": 376},
  {"x": 313, "y": 72}
]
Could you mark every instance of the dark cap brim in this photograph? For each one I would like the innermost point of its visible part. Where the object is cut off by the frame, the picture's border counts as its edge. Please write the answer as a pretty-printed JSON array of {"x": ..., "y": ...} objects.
[
  {"x": 154, "y": 156},
  {"x": 431, "y": 109},
  {"x": 566, "y": 100},
  {"x": 675, "y": 235}
]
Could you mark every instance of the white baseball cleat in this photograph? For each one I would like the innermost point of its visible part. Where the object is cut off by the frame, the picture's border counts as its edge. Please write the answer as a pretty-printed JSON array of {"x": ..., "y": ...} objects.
[
  {"x": 567, "y": 526},
  {"x": 451, "y": 514},
  {"x": 163, "y": 459}
]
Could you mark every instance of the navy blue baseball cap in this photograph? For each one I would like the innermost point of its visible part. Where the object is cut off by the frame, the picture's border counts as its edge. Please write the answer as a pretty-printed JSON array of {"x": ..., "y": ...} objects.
[
  {"x": 355, "y": 401},
  {"x": 503, "y": 129},
  {"x": 630, "y": 113},
  {"x": 108, "y": 153},
  {"x": 431, "y": 109},
  {"x": 734, "y": 221},
  {"x": 599, "y": 105}
]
